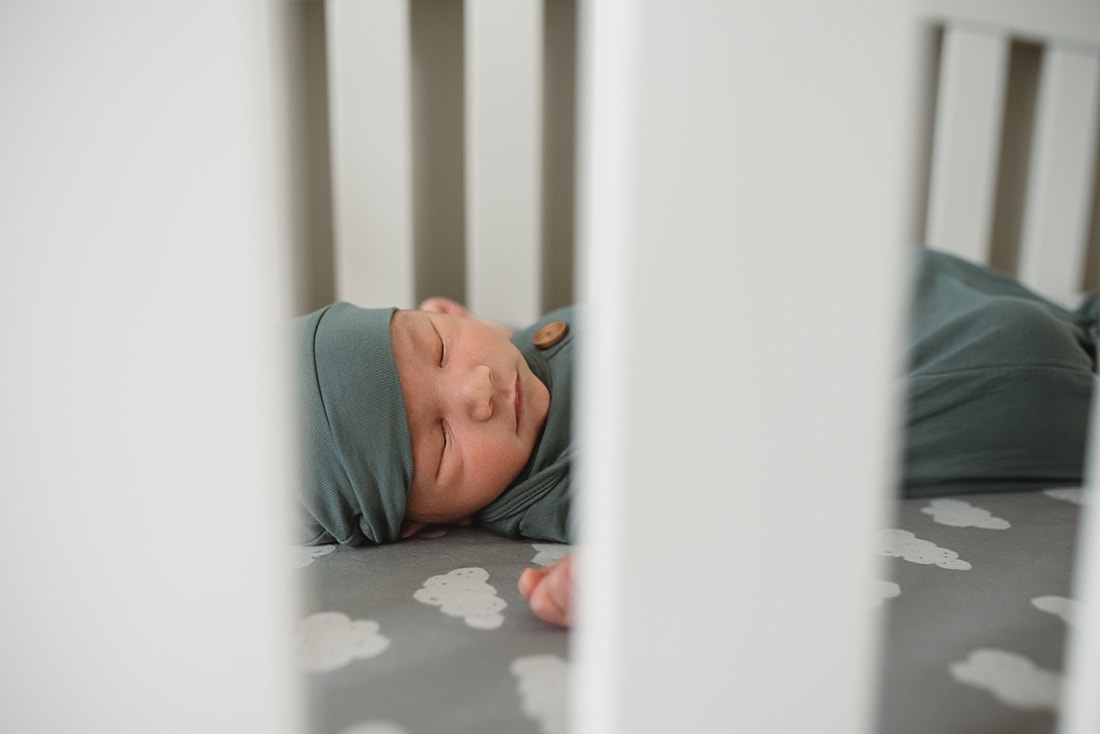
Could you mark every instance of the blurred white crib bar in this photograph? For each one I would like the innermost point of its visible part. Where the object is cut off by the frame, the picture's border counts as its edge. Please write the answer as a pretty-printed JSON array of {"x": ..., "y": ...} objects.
[{"x": 1006, "y": 152}]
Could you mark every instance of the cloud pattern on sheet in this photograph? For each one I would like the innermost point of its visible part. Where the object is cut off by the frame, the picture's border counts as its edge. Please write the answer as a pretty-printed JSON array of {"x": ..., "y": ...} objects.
[
  {"x": 1076, "y": 495},
  {"x": 304, "y": 555},
  {"x": 960, "y": 514},
  {"x": 466, "y": 593},
  {"x": 550, "y": 553},
  {"x": 1059, "y": 606},
  {"x": 906, "y": 545},
  {"x": 327, "y": 641},
  {"x": 1012, "y": 679},
  {"x": 542, "y": 682},
  {"x": 375, "y": 727},
  {"x": 884, "y": 590}
]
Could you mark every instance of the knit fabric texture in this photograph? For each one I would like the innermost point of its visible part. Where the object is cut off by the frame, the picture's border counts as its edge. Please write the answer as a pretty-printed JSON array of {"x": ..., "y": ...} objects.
[
  {"x": 999, "y": 386},
  {"x": 357, "y": 458}
]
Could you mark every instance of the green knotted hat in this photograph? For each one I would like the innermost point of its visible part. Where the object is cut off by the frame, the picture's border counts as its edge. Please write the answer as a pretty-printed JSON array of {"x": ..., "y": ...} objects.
[{"x": 356, "y": 457}]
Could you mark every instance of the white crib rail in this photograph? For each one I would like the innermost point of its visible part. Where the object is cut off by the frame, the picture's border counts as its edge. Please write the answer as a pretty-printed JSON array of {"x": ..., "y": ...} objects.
[
  {"x": 967, "y": 141},
  {"x": 371, "y": 137},
  {"x": 1080, "y": 712},
  {"x": 504, "y": 164},
  {"x": 970, "y": 158},
  {"x": 386, "y": 243},
  {"x": 1055, "y": 237}
]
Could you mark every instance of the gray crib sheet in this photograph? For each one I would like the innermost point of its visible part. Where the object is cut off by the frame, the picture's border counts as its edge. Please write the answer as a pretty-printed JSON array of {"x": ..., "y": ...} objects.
[
  {"x": 430, "y": 634},
  {"x": 977, "y": 608}
]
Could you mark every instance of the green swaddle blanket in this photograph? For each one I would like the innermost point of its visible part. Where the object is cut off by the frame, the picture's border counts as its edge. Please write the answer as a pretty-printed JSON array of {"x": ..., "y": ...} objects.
[{"x": 999, "y": 383}]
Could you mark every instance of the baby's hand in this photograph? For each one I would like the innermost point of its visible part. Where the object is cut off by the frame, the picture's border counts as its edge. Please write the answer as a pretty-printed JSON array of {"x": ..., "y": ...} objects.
[{"x": 550, "y": 591}]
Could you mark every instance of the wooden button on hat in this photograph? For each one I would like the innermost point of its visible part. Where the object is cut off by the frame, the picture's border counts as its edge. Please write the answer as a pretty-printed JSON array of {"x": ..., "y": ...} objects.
[{"x": 550, "y": 334}]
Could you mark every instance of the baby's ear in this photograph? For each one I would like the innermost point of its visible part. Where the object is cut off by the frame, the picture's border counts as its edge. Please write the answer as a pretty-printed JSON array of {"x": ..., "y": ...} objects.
[
  {"x": 409, "y": 529},
  {"x": 444, "y": 305}
]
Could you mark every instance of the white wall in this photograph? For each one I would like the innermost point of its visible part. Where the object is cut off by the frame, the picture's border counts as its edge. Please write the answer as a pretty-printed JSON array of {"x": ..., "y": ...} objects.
[{"x": 143, "y": 454}]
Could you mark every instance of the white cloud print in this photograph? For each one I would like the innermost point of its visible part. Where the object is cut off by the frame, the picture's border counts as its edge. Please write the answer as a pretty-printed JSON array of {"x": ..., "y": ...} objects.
[
  {"x": 903, "y": 544},
  {"x": 884, "y": 590},
  {"x": 1012, "y": 679},
  {"x": 543, "y": 683},
  {"x": 959, "y": 514},
  {"x": 466, "y": 593},
  {"x": 328, "y": 641},
  {"x": 1076, "y": 495},
  {"x": 1059, "y": 606},
  {"x": 550, "y": 553},
  {"x": 375, "y": 727},
  {"x": 304, "y": 555}
]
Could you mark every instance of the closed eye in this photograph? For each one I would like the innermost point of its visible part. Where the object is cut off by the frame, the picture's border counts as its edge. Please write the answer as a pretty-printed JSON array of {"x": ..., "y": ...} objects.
[{"x": 442, "y": 346}]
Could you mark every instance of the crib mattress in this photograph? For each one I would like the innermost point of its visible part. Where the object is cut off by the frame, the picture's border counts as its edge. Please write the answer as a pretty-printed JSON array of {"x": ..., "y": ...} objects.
[
  {"x": 431, "y": 635},
  {"x": 977, "y": 607}
]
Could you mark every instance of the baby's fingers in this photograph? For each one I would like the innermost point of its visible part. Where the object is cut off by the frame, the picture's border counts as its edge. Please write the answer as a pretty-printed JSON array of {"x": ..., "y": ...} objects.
[
  {"x": 529, "y": 580},
  {"x": 551, "y": 596},
  {"x": 551, "y": 603}
]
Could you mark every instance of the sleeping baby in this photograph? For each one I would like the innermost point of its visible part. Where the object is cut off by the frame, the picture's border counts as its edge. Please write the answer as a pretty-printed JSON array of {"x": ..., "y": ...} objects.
[{"x": 427, "y": 417}]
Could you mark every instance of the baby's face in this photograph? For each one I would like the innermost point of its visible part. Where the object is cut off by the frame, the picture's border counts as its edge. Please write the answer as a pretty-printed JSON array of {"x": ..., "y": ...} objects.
[{"x": 474, "y": 407}]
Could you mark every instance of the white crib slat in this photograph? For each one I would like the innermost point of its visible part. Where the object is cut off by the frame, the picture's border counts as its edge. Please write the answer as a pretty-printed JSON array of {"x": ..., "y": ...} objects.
[
  {"x": 967, "y": 140},
  {"x": 1075, "y": 21},
  {"x": 503, "y": 165},
  {"x": 1080, "y": 713},
  {"x": 164, "y": 265},
  {"x": 369, "y": 71},
  {"x": 1056, "y": 219}
]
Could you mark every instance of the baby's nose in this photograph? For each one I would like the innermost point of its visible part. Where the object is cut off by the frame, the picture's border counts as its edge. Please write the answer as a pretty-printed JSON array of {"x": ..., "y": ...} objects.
[{"x": 478, "y": 393}]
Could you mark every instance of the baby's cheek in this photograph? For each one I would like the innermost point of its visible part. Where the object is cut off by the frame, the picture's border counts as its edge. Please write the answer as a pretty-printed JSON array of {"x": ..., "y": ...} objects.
[{"x": 506, "y": 457}]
